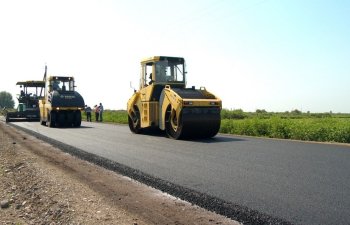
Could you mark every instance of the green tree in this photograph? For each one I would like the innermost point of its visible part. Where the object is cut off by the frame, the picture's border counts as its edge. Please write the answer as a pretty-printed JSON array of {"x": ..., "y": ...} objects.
[
  {"x": 261, "y": 111},
  {"x": 296, "y": 112},
  {"x": 233, "y": 114},
  {"x": 6, "y": 100}
]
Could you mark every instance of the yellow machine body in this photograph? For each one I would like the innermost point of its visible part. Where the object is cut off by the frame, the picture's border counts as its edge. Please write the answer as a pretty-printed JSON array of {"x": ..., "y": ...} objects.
[{"x": 163, "y": 101}]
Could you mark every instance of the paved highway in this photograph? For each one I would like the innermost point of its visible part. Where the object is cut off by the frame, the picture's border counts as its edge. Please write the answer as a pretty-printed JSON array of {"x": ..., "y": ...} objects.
[{"x": 303, "y": 183}]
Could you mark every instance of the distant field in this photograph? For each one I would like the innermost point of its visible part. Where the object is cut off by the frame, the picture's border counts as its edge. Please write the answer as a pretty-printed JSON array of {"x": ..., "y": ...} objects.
[{"x": 324, "y": 127}]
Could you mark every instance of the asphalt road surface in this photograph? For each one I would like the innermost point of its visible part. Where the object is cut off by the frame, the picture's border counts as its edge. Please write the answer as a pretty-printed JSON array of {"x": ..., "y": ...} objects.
[{"x": 302, "y": 183}]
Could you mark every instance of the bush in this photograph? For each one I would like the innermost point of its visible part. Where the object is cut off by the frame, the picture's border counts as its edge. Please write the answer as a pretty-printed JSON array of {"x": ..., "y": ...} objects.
[{"x": 233, "y": 114}]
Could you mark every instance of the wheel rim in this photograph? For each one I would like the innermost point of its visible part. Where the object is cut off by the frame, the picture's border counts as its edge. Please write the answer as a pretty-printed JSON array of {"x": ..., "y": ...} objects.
[
  {"x": 173, "y": 124},
  {"x": 135, "y": 122},
  {"x": 174, "y": 120},
  {"x": 136, "y": 119}
]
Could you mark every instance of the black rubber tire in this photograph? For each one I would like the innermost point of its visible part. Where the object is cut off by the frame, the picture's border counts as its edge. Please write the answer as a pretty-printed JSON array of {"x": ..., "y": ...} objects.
[
  {"x": 173, "y": 125},
  {"x": 71, "y": 118},
  {"x": 61, "y": 119},
  {"x": 51, "y": 119},
  {"x": 77, "y": 119},
  {"x": 135, "y": 123}
]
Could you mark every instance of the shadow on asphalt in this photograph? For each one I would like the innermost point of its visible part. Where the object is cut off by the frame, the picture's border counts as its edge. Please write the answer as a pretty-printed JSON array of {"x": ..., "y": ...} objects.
[
  {"x": 216, "y": 139},
  {"x": 23, "y": 120},
  {"x": 153, "y": 132},
  {"x": 81, "y": 127},
  {"x": 36, "y": 121}
]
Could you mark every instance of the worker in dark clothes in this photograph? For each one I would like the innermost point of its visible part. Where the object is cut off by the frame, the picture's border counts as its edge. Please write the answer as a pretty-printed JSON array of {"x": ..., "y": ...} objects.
[{"x": 88, "y": 113}]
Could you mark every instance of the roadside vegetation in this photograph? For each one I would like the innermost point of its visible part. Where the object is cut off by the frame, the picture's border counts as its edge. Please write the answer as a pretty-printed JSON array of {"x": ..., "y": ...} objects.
[
  {"x": 111, "y": 116},
  {"x": 323, "y": 127},
  {"x": 115, "y": 116}
]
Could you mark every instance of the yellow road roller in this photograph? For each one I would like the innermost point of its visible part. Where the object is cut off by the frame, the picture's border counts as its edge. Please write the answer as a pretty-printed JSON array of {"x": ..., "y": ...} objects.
[{"x": 164, "y": 102}]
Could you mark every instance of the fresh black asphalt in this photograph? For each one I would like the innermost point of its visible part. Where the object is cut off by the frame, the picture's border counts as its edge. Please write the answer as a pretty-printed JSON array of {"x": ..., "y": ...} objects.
[{"x": 252, "y": 180}]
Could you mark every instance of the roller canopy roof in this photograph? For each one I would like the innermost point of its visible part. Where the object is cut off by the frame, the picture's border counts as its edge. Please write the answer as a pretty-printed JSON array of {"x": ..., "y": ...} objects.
[
  {"x": 32, "y": 83},
  {"x": 161, "y": 58}
]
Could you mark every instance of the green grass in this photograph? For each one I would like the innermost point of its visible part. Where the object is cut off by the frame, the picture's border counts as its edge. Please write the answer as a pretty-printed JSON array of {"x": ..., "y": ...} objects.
[
  {"x": 111, "y": 116},
  {"x": 308, "y": 129},
  {"x": 115, "y": 116}
]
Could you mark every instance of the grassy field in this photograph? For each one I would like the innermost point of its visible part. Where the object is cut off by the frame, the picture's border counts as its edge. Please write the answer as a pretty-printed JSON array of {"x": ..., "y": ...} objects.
[
  {"x": 324, "y": 127},
  {"x": 309, "y": 129}
]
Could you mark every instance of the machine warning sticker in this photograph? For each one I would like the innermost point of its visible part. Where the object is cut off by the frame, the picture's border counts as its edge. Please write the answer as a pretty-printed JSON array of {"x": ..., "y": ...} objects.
[{"x": 67, "y": 96}]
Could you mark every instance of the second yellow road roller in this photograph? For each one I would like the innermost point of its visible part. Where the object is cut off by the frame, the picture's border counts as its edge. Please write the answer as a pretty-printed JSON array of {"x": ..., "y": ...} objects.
[{"x": 62, "y": 104}]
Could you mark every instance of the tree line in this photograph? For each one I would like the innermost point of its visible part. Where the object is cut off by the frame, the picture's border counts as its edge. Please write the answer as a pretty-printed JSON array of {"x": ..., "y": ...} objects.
[{"x": 6, "y": 100}]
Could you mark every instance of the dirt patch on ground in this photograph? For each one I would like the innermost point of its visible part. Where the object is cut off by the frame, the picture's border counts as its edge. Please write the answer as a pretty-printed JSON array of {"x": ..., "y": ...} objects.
[{"x": 41, "y": 185}]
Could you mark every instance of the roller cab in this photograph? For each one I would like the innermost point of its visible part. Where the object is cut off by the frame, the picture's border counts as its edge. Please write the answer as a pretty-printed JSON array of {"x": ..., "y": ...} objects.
[{"x": 164, "y": 102}]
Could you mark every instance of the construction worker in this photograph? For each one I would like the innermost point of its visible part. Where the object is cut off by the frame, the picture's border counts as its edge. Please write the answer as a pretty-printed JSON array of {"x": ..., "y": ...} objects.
[
  {"x": 88, "y": 113},
  {"x": 97, "y": 112},
  {"x": 101, "y": 111}
]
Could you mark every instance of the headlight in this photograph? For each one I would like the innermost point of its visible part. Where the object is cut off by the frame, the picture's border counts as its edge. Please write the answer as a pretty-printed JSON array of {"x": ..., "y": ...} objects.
[{"x": 188, "y": 103}]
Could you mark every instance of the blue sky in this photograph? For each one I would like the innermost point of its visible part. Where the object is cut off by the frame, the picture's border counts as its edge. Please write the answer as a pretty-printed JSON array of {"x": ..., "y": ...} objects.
[{"x": 276, "y": 55}]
